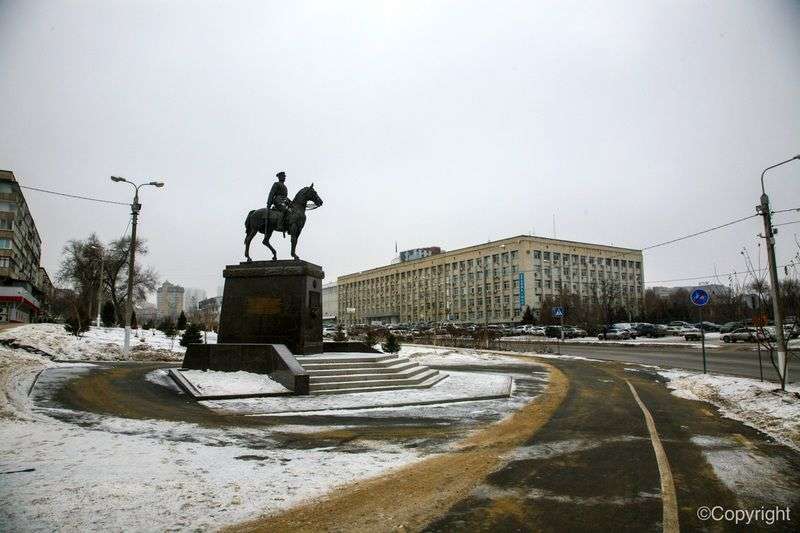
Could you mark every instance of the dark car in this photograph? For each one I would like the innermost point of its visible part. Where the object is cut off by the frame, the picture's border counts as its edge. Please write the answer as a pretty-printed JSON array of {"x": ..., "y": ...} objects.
[
  {"x": 707, "y": 326},
  {"x": 728, "y": 327},
  {"x": 553, "y": 332},
  {"x": 651, "y": 330}
]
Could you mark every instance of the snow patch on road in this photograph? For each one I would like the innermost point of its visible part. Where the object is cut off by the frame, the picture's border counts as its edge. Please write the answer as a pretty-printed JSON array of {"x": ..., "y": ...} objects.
[
  {"x": 748, "y": 473},
  {"x": 761, "y": 405}
]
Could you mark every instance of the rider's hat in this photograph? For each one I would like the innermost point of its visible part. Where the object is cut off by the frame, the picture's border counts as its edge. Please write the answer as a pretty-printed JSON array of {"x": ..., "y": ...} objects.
[{"x": 281, "y": 174}]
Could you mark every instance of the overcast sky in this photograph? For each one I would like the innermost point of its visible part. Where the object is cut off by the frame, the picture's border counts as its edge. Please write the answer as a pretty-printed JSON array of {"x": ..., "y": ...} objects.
[{"x": 427, "y": 123}]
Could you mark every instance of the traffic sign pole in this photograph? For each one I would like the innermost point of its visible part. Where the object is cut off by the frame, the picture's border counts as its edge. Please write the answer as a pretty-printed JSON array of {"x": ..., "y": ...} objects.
[
  {"x": 703, "y": 339},
  {"x": 700, "y": 297}
]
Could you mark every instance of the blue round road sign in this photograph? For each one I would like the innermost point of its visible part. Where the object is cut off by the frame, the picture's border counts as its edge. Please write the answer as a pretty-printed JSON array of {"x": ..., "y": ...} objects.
[{"x": 700, "y": 297}]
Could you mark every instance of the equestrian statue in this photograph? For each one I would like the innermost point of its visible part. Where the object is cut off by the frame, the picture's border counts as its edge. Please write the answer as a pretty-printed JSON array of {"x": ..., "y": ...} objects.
[{"x": 280, "y": 215}]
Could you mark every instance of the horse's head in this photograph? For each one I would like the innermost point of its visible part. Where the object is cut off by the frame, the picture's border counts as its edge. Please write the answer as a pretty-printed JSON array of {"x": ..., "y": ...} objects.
[{"x": 308, "y": 194}]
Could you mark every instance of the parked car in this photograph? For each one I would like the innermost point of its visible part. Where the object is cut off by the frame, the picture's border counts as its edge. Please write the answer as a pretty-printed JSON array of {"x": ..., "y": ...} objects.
[
  {"x": 728, "y": 327},
  {"x": 651, "y": 330},
  {"x": 707, "y": 326},
  {"x": 680, "y": 323},
  {"x": 748, "y": 335},
  {"x": 675, "y": 331},
  {"x": 536, "y": 330},
  {"x": 632, "y": 333},
  {"x": 574, "y": 332},
  {"x": 613, "y": 333},
  {"x": 692, "y": 334}
]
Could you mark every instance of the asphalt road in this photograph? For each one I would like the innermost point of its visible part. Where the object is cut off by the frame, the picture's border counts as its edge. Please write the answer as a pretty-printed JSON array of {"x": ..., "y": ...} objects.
[
  {"x": 718, "y": 360},
  {"x": 593, "y": 467}
]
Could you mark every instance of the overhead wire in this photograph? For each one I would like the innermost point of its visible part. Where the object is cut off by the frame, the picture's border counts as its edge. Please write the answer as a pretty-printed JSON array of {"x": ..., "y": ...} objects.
[{"x": 75, "y": 196}]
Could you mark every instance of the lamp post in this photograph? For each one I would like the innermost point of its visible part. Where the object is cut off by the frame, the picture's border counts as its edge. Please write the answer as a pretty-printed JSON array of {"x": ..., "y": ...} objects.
[
  {"x": 135, "y": 208},
  {"x": 769, "y": 234}
]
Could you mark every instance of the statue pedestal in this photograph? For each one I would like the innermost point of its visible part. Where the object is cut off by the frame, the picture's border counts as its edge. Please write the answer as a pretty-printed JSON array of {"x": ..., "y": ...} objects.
[{"x": 273, "y": 302}]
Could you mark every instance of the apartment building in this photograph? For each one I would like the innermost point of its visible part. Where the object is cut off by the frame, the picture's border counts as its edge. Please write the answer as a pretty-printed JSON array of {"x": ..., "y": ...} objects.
[
  {"x": 491, "y": 282},
  {"x": 24, "y": 285},
  {"x": 169, "y": 300}
]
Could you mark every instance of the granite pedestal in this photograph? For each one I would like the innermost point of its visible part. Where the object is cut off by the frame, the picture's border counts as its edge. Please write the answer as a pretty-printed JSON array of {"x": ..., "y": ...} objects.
[
  {"x": 267, "y": 307},
  {"x": 273, "y": 302}
]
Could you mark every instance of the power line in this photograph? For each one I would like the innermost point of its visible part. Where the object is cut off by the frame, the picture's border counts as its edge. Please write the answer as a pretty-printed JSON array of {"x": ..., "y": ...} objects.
[
  {"x": 711, "y": 276},
  {"x": 74, "y": 196},
  {"x": 731, "y": 223},
  {"x": 786, "y": 223}
]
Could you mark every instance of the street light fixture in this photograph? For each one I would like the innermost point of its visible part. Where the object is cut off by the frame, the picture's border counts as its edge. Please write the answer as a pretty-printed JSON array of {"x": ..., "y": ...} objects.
[
  {"x": 135, "y": 208},
  {"x": 769, "y": 234}
]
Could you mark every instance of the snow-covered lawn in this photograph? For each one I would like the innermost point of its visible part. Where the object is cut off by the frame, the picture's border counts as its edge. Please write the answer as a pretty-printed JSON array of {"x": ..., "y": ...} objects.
[
  {"x": 760, "y": 405},
  {"x": 713, "y": 340},
  {"x": 99, "y": 344}
]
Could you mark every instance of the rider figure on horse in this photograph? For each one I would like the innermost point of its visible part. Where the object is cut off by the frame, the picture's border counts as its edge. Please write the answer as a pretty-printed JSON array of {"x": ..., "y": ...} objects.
[{"x": 279, "y": 201}]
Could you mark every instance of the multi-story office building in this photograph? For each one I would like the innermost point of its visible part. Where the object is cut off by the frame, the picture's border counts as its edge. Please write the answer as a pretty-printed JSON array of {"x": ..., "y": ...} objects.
[
  {"x": 330, "y": 301},
  {"x": 491, "y": 282},
  {"x": 169, "y": 300},
  {"x": 24, "y": 285}
]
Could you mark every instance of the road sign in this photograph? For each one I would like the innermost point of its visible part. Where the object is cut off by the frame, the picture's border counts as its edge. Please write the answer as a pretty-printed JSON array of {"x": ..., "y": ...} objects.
[
  {"x": 700, "y": 297},
  {"x": 558, "y": 312}
]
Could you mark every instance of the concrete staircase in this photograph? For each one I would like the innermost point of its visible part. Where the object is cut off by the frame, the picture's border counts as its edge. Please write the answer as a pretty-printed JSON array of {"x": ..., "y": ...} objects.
[{"x": 363, "y": 372}]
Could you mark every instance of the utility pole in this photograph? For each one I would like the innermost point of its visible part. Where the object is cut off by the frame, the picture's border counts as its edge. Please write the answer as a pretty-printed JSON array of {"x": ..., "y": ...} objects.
[
  {"x": 135, "y": 208},
  {"x": 769, "y": 234},
  {"x": 100, "y": 290}
]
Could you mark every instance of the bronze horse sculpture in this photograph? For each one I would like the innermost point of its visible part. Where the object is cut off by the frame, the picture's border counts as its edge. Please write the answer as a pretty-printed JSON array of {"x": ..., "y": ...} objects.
[{"x": 266, "y": 221}]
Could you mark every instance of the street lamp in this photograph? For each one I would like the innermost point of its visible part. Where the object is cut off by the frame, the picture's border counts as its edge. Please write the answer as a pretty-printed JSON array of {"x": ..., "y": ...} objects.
[
  {"x": 769, "y": 235},
  {"x": 135, "y": 208}
]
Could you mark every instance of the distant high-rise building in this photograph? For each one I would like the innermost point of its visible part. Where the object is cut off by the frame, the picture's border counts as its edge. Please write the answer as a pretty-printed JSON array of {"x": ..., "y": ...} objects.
[
  {"x": 192, "y": 297},
  {"x": 169, "y": 300}
]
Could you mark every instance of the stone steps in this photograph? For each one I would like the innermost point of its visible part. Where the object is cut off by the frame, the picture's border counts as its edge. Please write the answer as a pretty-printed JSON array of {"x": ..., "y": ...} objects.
[
  {"x": 345, "y": 358},
  {"x": 340, "y": 371},
  {"x": 367, "y": 376},
  {"x": 345, "y": 373},
  {"x": 372, "y": 387}
]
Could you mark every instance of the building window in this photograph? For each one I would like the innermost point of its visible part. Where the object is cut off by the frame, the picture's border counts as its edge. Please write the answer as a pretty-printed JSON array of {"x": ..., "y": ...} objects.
[
  {"x": 6, "y": 223},
  {"x": 556, "y": 256},
  {"x": 546, "y": 256},
  {"x": 5, "y": 262},
  {"x": 537, "y": 254},
  {"x": 5, "y": 244},
  {"x": 8, "y": 207}
]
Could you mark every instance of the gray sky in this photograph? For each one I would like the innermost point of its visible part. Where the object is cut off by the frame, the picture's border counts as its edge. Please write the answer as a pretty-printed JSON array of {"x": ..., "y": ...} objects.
[{"x": 426, "y": 123}]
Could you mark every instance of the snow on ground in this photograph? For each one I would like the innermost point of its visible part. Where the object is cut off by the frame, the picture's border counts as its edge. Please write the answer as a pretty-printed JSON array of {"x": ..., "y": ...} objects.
[
  {"x": 212, "y": 383},
  {"x": 713, "y": 340},
  {"x": 99, "y": 344},
  {"x": 147, "y": 475},
  {"x": 760, "y": 405},
  {"x": 446, "y": 356}
]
